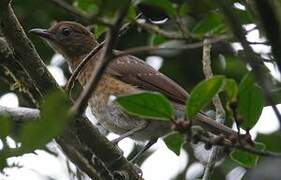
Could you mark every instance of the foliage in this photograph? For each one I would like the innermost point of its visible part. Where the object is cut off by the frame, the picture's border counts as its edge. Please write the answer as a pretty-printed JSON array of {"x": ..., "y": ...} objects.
[
  {"x": 34, "y": 135},
  {"x": 246, "y": 159},
  {"x": 147, "y": 105},
  {"x": 202, "y": 94},
  {"x": 192, "y": 20}
]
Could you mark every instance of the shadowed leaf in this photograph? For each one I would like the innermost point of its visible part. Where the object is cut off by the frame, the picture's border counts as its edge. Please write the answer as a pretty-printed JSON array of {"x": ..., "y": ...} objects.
[
  {"x": 246, "y": 159},
  {"x": 174, "y": 142},
  {"x": 54, "y": 113}
]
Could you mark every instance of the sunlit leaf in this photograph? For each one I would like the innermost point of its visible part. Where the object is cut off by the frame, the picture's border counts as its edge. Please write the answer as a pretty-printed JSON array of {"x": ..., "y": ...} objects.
[
  {"x": 202, "y": 94},
  {"x": 246, "y": 159},
  {"x": 148, "y": 105},
  {"x": 174, "y": 142}
]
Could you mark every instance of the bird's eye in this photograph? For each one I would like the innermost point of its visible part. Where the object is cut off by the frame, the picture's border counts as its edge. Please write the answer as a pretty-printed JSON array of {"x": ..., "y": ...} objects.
[{"x": 66, "y": 31}]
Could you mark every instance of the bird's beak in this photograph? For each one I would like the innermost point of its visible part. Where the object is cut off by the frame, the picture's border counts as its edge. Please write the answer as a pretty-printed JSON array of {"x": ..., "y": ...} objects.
[{"x": 44, "y": 33}]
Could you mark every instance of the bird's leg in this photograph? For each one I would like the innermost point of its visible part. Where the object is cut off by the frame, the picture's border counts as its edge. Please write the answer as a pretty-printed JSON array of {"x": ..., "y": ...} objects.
[
  {"x": 146, "y": 147},
  {"x": 130, "y": 132}
]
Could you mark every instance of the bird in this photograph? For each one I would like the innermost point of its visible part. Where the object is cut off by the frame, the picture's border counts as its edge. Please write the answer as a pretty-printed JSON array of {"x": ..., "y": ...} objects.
[{"x": 124, "y": 75}]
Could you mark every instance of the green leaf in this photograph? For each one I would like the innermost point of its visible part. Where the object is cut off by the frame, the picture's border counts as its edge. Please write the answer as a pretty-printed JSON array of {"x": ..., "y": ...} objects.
[
  {"x": 212, "y": 23},
  {"x": 3, "y": 158},
  {"x": 147, "y": 105},
  {"x": 183, "y": 9},
  {"x": 246, "y": 159},
  {"x": 247, "y": 81},
  {"x": 54, "y": 114},
  {"x": 4, "y": 132},
  {"x": 231, "y": 89},
  {"x": 244, "y": 16},
  {"x": 99, "y": 30},
  {"x": 202, "y": 94},
  {"x": 87, "y": 6},
  {"x": 131, "y": 15},
  {"x": 101, "y": 8},
  {"x": 165, "y": 5},
  {"x": 156, "y": 40},
  {"x": 4, "y": 127},
  {"x": 271, "y": 141},
  {"x": 250, "y": 106},
  {"x": 174, "y": 142}
]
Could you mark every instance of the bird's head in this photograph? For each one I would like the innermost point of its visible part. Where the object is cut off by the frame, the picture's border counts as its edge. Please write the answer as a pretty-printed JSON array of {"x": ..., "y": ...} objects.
[{"x": 70, "y": 39}]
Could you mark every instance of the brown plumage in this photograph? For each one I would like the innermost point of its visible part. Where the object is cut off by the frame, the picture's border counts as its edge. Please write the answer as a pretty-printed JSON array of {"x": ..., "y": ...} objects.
[{"x": 124, "y": 75}]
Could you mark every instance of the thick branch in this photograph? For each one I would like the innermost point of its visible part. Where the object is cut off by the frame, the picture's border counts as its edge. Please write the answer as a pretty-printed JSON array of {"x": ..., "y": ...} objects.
[
  {"x": 85, "y": 131},
  {"x": 20, "y": 44},
  {"x": 17, "y": 73},
  {"x": 20, "y": 114}
]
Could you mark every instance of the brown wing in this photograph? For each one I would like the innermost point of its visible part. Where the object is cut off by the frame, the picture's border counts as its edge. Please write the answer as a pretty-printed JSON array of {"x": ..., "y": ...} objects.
[{"x": 136, "y": 72}]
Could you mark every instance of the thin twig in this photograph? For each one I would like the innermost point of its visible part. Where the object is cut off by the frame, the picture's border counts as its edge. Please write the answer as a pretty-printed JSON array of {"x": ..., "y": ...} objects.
[
  {"x": 229, "y": 144},
  {"x": 161, "y": 32},
  {"x": 185, "y": 32},
  {"x": 195, "y": 45},
  {"x": 220, "y": 113}
]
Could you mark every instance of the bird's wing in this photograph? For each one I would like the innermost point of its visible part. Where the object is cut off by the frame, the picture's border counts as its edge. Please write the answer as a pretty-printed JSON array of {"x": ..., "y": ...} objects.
[{"x": 136, "y": 72}]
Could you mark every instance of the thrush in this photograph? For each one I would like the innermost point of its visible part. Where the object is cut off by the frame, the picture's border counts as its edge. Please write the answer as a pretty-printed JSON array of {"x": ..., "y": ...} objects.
[{"x": 124, "y": 75}]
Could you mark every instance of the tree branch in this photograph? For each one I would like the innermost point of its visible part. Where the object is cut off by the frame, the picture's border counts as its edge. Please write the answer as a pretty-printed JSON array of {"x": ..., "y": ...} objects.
[
  {"x": 260, "y": 71},
  {"x": 84, "y": 131},
  {"x": 220, "y": 113},
  {"x": 20, "y": 44},
  {"x": 22, "y": 114},
  {"x": 18, "y": 74},
  {"x": 195, "y": 45}
]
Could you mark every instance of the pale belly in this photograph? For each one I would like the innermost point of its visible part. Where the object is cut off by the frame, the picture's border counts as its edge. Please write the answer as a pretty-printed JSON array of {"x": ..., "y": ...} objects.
[{"x": 113, "y": 118}]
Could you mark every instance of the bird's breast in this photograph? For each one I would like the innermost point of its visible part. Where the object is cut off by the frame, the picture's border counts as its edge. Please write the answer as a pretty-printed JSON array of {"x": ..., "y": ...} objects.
[{"x": 108, "y": 87}]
